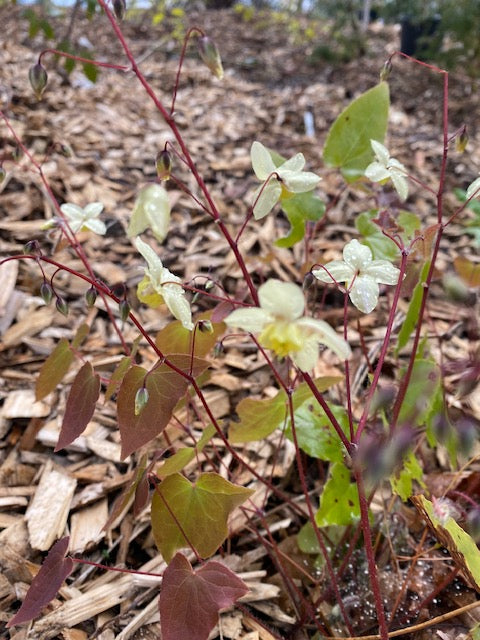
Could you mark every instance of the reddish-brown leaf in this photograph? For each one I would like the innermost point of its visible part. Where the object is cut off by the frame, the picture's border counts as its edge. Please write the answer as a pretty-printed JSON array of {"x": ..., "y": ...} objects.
[
  {"x": 165, "y": 388},
  {"x": 81, "y": 403},
  {"x": 190, "y": 600},
  {"x": 46, "y": 583}
]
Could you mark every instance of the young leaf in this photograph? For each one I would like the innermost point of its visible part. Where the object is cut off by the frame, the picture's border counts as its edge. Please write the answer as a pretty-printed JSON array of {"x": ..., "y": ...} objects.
[
  {"x": 176, "y": 463},
  {"x": 339, "y": 501},
  {"x": 82, "y": 332},
  {"x": 468, "y": 271},
  {"x": 258, "y": 418},
  {"x": 185, "y": 514},
  {"x": 421, "y": 394},
  {"x": 348, "y": 142},
  {"x": 315, "y": 434},
  {"x": 117, "y": 376},
  {"x": 190, "y": 600},
  {"x": 165, "y": 388},
  {"x": 299, "y": 209},
  {"x": 402, "y": 481},
  {"x": 54, "y": 570},
  {"x": 461, "y": 546},
  {"x": 174, "y": 338},
  {"x": 81, "y": 403},
  {"x": 382, "y": 247},
  {"x": 54, "y": 369},
  {"x": 413, "y": 310}
]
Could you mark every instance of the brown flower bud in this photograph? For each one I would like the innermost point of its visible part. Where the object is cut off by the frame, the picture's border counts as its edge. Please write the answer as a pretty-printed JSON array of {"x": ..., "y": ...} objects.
[
  {"x": 208, "y": 52},
  {"x": 163, "y": 163},
  {"x": 38, "y": 79}
]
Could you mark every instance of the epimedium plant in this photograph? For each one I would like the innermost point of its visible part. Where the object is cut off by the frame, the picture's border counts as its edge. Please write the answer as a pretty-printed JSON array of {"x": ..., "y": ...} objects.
[{"x": 191, "y": 510}]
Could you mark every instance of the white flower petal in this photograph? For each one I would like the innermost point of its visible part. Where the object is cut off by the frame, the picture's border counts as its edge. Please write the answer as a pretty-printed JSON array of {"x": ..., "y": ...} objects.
[
  {"x": 268, "y": 198},
  {"x": 401, "y": 185},
  {"x": 72, "y": 211},
  {"x": 178, "y": 305},
  {"x": 380, "y": 151},
  {"x": 97, "y": 226},
  {"x": 151, "y": 209},
  {"x": 358, "y": 256},
  {"x": 473, "y": 190},
  {"x": 306, "y": 358},
  {"x": 284, "y": 300},
  {"x": 252, "y": 319},
  {"x": 155, "y": 266},
  {"x": 262, "y": 162},
  {"x": 325, "y": 334},
  {"x": 382, "y": 271},
  {"x": 364, "y": 293},
  {"x": 299, "y": 182},
  {"x": 295, "y": 164},
  {"x": 338, "y": 269},
  {"x": 376, "y": 172},
  {"x": 93, "y": 210}
]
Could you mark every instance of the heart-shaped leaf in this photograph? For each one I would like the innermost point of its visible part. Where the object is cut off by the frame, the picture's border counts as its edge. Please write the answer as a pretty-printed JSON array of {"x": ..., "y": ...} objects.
[
  {"x": 81, "y": 403},
  {"x": 165, "y": 387},
  {"x": 46, "y": 583},
  {"x": 186, "y": 514},
  {"x": 190, "y": 600}
]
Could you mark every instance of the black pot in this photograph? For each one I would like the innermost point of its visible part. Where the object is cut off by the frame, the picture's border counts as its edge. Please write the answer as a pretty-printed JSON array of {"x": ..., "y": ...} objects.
[{"x": 417, "y": 37}]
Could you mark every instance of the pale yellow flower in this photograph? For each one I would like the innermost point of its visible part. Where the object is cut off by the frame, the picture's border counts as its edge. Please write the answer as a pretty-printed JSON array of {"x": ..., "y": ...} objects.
[{"x": 282, "y": 327}]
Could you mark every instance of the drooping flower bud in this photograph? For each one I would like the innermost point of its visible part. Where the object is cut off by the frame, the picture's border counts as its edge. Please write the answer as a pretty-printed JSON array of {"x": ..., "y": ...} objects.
[
  {"x": 461, "y": 140},
  {"x": 205, "y": 326},
  {"x": 119, "y": 8},
  {"x": 308, "y": 281},
  {"x": 141, "y": 400},
  {"x": 208, "y": 52},
  {"x": 91, "y": 296},
  {"x": 38, "y": 79},
  {"x": 163, "y": 163},
  {"x": 46, "y": 292},
  {"x": 386, "y": 70},
  {"x": 124, "y": 309},
  {"x": 31, "y": 247},
  {"x": 62, "y": 306}
]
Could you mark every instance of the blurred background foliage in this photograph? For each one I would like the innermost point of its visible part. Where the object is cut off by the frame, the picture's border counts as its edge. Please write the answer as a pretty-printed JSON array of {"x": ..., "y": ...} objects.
[{"x": 445, "y": 32}]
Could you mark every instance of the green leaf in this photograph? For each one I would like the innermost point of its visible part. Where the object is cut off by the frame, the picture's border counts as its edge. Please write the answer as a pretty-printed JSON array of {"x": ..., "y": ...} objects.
[
  {"x": 307, "y": 540},
  {"x": 411, "y": 318},
  {"x": 461, "y": 546},
  {"x": 174, "y": 338},
  {"x": 348, "y": 142},
  {"x": 339, "y": 500},
  {"x": 315, "y": 434},
  {"x": 185, "y": 514},
  {"x": 81, "y": 403},
  {"x": 90, "y": 71},
  {"x": 82, "y": 332},
  {"x": 258, "y": 418},
  {"x": 382, "y": 247},
  {"x": 54, "y": 369},
  {"x": 165, "y": 387},
  {"x": 176, "y": 463},
  {"x": 117, "y": 376},
  {"x": 402, "y": 481},
  {"x": 420, "y": 398},
  {"x": 299, "y": 209}
]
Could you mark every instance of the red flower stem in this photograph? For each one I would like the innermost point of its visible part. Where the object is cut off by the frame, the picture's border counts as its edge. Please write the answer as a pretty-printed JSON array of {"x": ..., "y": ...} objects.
[
  {"x": 170, "y": 121},
  {"x": 383, "y": 352},
  {"x": 180, "y": 63},
  {"x": 96, "y": 63},
  {"x": 368, "y": 546}
]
